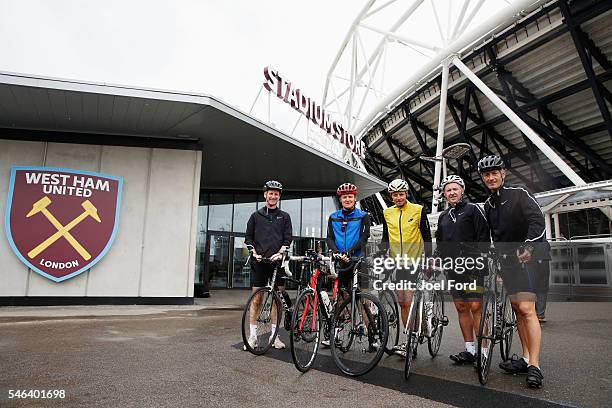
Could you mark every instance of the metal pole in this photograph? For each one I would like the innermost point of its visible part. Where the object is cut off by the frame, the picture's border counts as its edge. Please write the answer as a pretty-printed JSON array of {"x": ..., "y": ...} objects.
[
  {"x": 440, "y": 142},
  {"x": 269, "y": 108},
  {"x": 256, "y": 98},
  {"x": 518, "y": 122},
  {"x": 555, "y": 218},
  {"x": 444, "y": 170},
  {"x": 548, "y": 226}
]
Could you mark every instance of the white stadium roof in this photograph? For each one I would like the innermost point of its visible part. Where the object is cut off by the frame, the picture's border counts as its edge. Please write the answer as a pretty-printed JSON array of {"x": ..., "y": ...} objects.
[{"x": 550, "y": 62}]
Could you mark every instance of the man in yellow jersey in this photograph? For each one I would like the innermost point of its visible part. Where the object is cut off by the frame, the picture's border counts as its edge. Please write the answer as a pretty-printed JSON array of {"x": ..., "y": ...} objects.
[{"x": 406, "y": 234}]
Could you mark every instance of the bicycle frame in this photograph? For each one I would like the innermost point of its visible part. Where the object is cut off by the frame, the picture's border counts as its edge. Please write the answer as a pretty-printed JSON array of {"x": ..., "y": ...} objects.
[{"x": 314, "y": 288}]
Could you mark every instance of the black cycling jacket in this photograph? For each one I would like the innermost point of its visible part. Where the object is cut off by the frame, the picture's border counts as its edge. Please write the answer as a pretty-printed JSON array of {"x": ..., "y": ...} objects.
[
  {"x": 268, "y": 230},
  {"x": 462, "y": 231},
  {"x": 515, "y": 219}
]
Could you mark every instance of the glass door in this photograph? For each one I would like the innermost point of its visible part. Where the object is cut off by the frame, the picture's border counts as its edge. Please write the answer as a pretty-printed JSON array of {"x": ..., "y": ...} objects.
[
  {"x": 241, "y": 273},
  {"x": 218, "y": 260}
]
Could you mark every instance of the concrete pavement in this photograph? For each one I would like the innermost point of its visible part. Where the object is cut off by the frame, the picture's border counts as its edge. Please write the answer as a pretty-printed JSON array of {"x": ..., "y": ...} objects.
[{"x": 190, "y": 356}]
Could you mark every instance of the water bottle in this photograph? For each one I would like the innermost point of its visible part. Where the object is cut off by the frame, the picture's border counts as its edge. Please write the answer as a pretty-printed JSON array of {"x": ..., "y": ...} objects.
[{"x": 326, "y": 301}]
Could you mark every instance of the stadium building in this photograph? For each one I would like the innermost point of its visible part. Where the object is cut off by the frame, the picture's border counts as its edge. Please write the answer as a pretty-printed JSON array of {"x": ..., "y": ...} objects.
[{"x": 121, "y": 195}]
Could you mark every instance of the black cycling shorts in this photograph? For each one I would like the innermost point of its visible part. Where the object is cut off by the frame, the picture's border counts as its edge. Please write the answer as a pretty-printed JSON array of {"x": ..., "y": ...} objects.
[
  {"x": 409, "y": 275},
  {"x": 345, "y": 277},
  {"x": 262, "y": 272},
  {"x": 464, "y": 293},
  {"x": 520, "y": 277}
]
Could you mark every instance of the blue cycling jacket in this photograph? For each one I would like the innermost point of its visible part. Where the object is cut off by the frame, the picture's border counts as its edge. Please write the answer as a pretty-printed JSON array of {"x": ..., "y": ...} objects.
[{"x": 348, "y": 231}]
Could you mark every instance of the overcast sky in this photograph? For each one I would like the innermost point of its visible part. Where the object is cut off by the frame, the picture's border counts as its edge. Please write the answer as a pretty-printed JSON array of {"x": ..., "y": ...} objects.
[
  {"x": 215, "y": 47},
  {"x": 206, "y": 46}
]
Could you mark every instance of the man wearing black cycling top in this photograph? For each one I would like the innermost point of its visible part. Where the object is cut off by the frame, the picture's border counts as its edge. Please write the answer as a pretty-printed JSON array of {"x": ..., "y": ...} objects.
[
  {"x": 518, "y": 232},
  {"x": 269, "y": 234},
  {"x": 463, "y": 234}
]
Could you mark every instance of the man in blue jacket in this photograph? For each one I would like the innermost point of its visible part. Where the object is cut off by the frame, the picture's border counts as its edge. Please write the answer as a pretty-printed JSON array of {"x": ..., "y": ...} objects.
[{"x": 348, "y": 229}]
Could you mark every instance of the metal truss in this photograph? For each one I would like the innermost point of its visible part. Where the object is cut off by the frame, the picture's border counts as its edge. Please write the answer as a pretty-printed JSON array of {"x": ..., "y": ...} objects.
[{"x": 545, "y": 135}]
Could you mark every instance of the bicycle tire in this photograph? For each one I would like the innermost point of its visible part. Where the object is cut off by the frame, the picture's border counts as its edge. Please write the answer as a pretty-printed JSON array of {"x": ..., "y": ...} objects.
[
  {"x": 305, "y": 329},
  {"x": 435, "y": 339},
  {"x": 388, "y": 301},
  {"x": 269, "y": 297},
  {"x": 508, "y": 327},
  {"x": 377, "y": 333},
  {"x": 412, "y": 340},
  {"x": 486, "y": 334}
]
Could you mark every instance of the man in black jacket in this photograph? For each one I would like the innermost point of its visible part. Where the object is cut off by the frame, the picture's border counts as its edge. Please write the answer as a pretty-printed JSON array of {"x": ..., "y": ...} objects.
[
  {"x": 268, "y": 235},
  {"x": 462, "y": 236},
  {"x": 517, "y": 229}
]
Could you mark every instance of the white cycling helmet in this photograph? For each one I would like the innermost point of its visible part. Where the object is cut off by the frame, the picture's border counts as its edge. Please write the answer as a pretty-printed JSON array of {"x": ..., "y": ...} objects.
[
  {"x": 452, "y": 179},
  {"x": 397, "y": 185},
  {"x": 273, "y": 185}
]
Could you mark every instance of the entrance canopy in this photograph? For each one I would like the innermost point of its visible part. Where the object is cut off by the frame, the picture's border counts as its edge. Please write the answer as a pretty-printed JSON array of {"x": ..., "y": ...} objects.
[
  {"x": 592, "y": 195},
  {"x": 239, "y": 152}
]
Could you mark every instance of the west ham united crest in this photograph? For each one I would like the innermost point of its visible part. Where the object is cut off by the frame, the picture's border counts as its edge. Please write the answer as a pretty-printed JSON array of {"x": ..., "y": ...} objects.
[{"x": 61, "y": 222}]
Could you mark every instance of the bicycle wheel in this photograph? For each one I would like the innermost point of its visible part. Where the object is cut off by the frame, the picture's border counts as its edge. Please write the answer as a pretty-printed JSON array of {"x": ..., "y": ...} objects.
[
  {"x": 304, "y": 336},
  {"x": 260, "y": 309},
  {"x": 508, "y": 325},
  {"x": 360, "y": 330},
  {"x": 413, "y": 327},
  {"x": 390, "y": 305},
  {"x": 437, "y": 326},
  {"x": 486, "y": 338}
]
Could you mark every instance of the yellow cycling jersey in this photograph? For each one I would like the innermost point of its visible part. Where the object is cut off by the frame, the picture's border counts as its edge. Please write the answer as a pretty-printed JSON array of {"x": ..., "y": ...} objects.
[{"x": 405, "y": 236}]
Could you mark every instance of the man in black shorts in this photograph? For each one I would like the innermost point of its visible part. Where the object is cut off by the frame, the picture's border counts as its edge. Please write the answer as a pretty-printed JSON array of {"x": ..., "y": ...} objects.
[
  {"x": 268, "y": 235},
  {"x": 462, "y": 236},
  {"x": 517, "y": 228}
]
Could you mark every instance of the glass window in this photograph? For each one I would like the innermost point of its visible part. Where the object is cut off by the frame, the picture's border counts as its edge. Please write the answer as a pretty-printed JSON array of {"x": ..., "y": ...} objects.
[
  {"x": 241, "y": 277},
  {"x": 220, "y": 212},
  {"x": 578, "y": 225},
  {"x": 200, "y": 261},
  {"x": 311, "y": 217},
  {"x": 293, "y": 207},
  {"x": 563, "y": 226},
  {"x": 329, "y": 206},
  {"x": 598, "y": 222},
  {"x": 260, "y": 200},
  {"x": 244, "y": 206},
  {"x": 218, "y": 261}
]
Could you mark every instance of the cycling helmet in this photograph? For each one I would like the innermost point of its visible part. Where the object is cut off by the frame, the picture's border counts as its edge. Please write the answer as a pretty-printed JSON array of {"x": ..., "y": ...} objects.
[
  {"x": 347, "y": 188},
  {"x": 452, "y": 179},
  {"x": 488, "y": 163},
  {"x": 273, "y": 185},
  {"x": 397, "y": 185}
]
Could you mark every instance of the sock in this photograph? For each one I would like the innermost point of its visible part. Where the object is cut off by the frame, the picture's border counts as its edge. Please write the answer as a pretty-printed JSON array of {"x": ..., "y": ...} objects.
[
  {"x": 470, "y": 348},
  {"x": 273, "y": 330},
  {"x": 253, "y": 328},
  {"x": 533, "y": 365},
  {"x": 526, "y": 359},
  {"x": 485, "y": 351}
]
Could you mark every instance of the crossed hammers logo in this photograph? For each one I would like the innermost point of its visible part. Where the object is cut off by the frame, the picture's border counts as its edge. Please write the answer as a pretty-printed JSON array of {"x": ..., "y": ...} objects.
[{"x": 62, "y": 230}]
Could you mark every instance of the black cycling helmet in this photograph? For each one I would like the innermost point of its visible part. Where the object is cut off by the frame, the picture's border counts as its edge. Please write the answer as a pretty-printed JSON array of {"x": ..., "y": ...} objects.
[
  {"x": 273, "y": 185},
  {"x": 489, "y": 163}
]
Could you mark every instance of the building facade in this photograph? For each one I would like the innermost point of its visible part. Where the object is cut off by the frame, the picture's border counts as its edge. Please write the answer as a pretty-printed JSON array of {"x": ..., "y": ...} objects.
[{"x": 189, "y": 168}]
